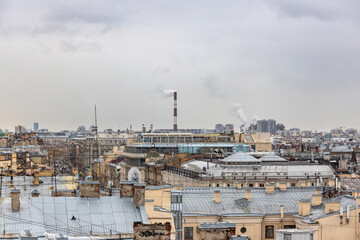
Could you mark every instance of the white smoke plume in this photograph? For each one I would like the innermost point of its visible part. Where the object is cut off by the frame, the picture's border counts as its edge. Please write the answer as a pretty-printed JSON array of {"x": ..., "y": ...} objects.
[
  {"x": 167, "y": 93},
  {"x": 254, "y": 119},
  {"x": 240, "y": 114}
]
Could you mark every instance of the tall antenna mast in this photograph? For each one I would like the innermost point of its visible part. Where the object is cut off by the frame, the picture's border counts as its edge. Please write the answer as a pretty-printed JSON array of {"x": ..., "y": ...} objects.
[{"x": 98, "y": 147}]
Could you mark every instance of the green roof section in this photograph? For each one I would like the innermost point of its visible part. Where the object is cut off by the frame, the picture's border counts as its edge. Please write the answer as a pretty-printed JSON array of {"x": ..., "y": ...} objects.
[{"x": 2, "y": 134}]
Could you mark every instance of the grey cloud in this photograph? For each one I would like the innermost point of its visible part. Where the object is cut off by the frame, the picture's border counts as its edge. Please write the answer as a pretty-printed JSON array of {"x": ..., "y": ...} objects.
[
  {"x": 82, "y": 46},
  {"x": 212, "y": 84},
  {"x": 322, "y": 10},
  {"x": 65, "y": 17}
]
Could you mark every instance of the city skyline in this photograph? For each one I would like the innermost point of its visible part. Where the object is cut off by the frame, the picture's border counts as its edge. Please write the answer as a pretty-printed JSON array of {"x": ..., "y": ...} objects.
[{"x": 296, "y": 63}]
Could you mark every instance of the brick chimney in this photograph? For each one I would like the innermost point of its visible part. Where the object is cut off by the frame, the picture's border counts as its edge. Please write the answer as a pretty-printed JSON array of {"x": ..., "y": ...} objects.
[
  {"x": 270, "y": 188},
  {"x": 316, "y": 200},
  {"x": 139, "y": 194},
  {"x": 304, "y": 207},
  {"x": 126, "y": 188},
  {"x": 89, "y": 189},
  {"x": 15, "y": 199},
  {"x": 282, "y": 186},
  {"x": 217, "y": 197},
  {"x": 248, "y": 194},
  {"x": 36, "y": 178},
  {"x": 35, "y": 193},
  {"x": 332, "y": 206}
]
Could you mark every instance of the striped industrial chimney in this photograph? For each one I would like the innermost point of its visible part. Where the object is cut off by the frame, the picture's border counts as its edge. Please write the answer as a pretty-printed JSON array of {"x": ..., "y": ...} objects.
[{"x": 175, "y": 112}]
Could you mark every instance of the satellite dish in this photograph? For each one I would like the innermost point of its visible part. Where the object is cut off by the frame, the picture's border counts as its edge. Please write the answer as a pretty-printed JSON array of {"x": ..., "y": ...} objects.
[{"x": 134, "y": 174}]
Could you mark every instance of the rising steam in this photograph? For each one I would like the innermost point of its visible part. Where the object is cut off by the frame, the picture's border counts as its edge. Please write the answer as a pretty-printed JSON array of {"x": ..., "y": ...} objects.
[{"x": 240, "y": 114}]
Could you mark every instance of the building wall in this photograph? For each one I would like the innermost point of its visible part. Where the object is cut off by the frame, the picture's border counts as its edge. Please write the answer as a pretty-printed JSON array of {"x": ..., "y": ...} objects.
[
  {"x": 160, "y": 198},
  {"x": 255, "y": 226},
  {"x": 330, "y": 227}
]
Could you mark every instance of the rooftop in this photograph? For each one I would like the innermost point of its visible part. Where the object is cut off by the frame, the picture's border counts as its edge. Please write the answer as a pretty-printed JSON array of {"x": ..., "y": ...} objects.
[
  {"x": 71, "y": 215},
  {"x": 200, "y": 201}
]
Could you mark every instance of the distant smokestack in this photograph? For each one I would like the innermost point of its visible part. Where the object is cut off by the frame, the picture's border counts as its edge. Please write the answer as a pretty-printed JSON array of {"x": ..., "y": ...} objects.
[
  {"x": 151, "y": 128},
  {"x": 143, "y": 128},
  {"x": 175, "y": 112}
]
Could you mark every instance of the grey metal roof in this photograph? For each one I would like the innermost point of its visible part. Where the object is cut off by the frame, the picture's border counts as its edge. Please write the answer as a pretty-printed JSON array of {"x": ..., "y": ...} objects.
[
  {"x": 200, "y": 201},
  {"x": 71, "y": 215},
  {"x": 240, "y": 157},
  {"x": 274, "y": 170},
  {"x": 319, "y": 211},
  {"x": 217, "y": 225},
  {"x": 157, "y": 187},
  {"x": 25, "y": 184},
  {"x": 350, "y": 183},
  {"x": 271, "y": 157}
]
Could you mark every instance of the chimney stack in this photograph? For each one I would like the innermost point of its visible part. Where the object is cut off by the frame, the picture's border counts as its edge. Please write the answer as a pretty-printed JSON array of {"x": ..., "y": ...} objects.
[
  {"x": 36, "y": 178},
  {"x": 143, "y": 128},
  {"x": 15, "y": 199},
  {"x": 304, "y": 207},
  {"x": 281, "y": 211},
  {"x": 175, "y": 112},
  {"x": 332, "y": 206},
  {"x": 282, "y": 186},
  {"x": 270, "y": 188},
  {"x": 316, "y": 200},
  {"x": 139, "y": 194},
  {"x": 35, "y": 193},
  {"x": 217, "y": 198},
  {"x": 126, "y": 188},
  {"x": 248, "y": 194},
  {"x": 89, "y": 188}
]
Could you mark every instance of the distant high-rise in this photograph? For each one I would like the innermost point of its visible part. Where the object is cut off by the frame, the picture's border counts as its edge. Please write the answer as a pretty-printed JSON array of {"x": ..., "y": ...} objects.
[
  {"x": 20, "y": 129},
  {"x": 266, "y": 126},
  {"x": 262, "y": 126},
  {"x": 219, "y": 128},
  {"x": 229, "y": 128},
  {"x": 272, "y": 126},
  {"x": 36, "y": 126}
]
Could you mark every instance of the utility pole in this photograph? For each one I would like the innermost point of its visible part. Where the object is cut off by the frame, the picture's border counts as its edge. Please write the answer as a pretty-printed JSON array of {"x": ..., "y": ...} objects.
[{"x": 1, "y": 180}]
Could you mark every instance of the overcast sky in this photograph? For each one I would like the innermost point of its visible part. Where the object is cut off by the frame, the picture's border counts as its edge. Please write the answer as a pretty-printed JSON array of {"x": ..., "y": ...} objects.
[{"x": 297, "y": 62}]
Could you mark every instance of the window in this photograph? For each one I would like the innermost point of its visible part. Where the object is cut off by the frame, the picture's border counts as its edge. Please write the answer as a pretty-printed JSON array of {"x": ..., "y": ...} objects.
[
  {"x": 269, "y": 231},
  {"x": 188, "y": 233},
  {"x": 287, "y": 236},
  {"x": 289, "y": 226},
  {"x": 243, "y": 230},
  {"x": 217, "y": 185},
  {"x": 261, "y": 185},
  {"x": 293, "y": 184},
  {"x": 251, "y": 185},
  {"x": 228, "y": 184}
]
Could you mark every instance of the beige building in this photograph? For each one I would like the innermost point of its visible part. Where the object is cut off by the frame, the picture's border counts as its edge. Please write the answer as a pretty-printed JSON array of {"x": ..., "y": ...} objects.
[
  {"x": 258, "y": 141},
  {"x": 262, "y": 213},
  {"x": 158, "y": 206}
]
